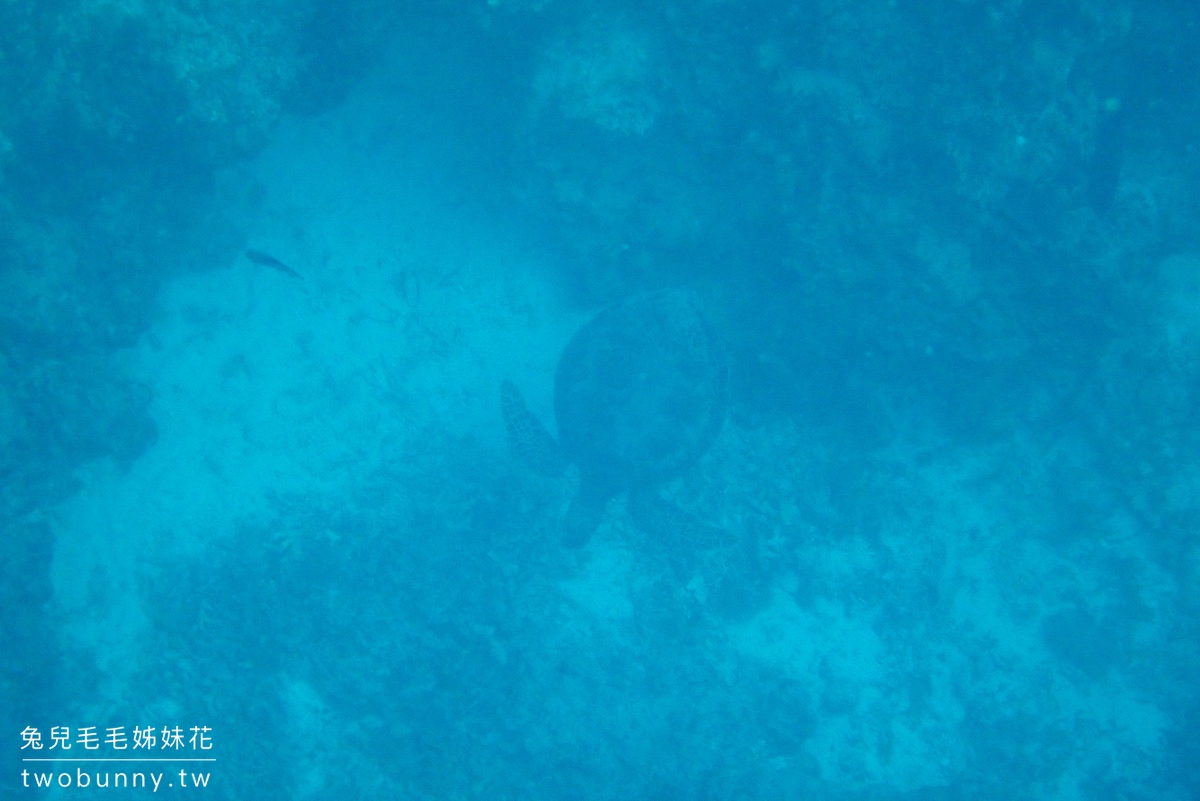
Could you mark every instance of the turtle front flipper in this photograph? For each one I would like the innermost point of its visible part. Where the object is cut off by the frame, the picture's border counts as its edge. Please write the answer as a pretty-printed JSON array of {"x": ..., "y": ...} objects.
[{"x": 527, "y": 436}]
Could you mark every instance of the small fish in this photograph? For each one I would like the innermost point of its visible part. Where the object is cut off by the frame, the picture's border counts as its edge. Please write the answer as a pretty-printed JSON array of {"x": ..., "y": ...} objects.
[{"x": 267, "y": 260}]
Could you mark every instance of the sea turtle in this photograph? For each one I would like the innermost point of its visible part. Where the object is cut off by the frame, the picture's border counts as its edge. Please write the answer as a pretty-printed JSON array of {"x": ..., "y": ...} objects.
[{"x": 640, "y": 394}]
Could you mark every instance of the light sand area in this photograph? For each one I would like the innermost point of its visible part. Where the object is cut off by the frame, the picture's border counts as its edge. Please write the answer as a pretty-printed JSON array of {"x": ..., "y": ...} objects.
[{"x": 410, "y": 311}]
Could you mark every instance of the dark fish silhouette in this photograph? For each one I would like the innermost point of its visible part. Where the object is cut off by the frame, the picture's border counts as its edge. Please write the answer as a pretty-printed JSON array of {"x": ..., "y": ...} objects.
[{"x": 267, "y": 260}]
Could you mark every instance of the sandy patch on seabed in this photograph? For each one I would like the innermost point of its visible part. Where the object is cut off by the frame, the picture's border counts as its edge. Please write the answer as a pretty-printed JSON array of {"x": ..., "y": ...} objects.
[{"x": 265, "y": 386}]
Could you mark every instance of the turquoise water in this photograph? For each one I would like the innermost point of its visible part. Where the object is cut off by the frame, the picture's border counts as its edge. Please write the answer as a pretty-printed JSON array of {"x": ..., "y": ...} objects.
[{"x": 944, "y": 545}]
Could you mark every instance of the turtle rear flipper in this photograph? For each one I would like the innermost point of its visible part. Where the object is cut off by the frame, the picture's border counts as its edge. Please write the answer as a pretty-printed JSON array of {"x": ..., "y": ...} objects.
[{"x": 528, "y": 438}]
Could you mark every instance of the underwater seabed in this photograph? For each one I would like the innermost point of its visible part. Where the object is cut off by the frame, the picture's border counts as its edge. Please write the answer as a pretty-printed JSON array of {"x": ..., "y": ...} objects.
[
  {"x": 275, "y": 392},
  {"x": 330, "y": 558}
]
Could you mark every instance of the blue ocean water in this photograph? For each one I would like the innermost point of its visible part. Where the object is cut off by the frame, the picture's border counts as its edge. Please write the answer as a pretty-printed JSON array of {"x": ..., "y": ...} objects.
[{"x": 526, "y": 399}]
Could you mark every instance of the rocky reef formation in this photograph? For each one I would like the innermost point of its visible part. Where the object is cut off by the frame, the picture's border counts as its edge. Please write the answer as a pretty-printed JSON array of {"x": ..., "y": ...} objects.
[{"x": 953, "y": 247}]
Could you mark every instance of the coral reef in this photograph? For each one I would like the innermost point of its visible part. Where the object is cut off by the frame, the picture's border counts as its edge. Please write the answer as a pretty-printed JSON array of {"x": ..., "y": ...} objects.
[{"x": 952, "y": 249}]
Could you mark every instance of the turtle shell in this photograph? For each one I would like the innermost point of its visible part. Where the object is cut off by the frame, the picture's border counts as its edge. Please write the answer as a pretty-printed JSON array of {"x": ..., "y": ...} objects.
[{"x": 640, "y": 392}]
